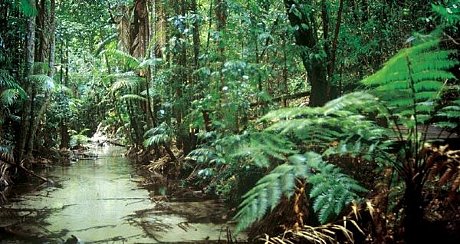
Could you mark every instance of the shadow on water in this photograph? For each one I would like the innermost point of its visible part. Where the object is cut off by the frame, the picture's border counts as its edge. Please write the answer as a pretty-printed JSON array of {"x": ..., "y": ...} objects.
[{"x": 100, "y": 201}]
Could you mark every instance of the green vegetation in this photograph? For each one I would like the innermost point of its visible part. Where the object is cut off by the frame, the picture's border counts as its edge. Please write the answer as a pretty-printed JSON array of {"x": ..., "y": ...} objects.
[{"x": 319, "y": 121}]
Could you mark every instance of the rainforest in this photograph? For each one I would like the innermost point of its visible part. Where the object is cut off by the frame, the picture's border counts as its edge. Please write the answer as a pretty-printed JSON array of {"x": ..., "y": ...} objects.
[{"x": 229, "y": 121}]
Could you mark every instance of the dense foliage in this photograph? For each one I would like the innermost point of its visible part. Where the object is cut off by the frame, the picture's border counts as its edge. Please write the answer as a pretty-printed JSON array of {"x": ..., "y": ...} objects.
[{"x": 272, "y": 105}]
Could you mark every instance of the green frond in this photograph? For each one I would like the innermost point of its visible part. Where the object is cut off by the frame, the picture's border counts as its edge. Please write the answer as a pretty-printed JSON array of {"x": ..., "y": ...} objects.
[
  {"x": 449, "y": 14},
  {"x": 149, "y": 62},
  {"x": 128, "y": 80},
  {"x": 331, "y": 190},
  {"x": 9, "y": 96},
  {"x": 120, "y": 56},
  {"x": 159, "y": 135},
  {"x": 262, "y": 147},
  {"x": 27, "y": 8},
  {"x": 8, "y": 82},
  {"x": 411, "y": 82},
  {"x": 60, "y": 88},
  {"x": 449, "y": 115},
  {"x": 202, "y": 155},
  {"x": 45, "y": 82},
  {"x": 350, "y": 101},
  {"x": 289, "y": 113}
]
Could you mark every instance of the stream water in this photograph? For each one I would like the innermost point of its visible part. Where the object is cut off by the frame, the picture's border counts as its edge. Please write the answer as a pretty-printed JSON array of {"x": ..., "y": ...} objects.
[{"x": 101, "y": 201}]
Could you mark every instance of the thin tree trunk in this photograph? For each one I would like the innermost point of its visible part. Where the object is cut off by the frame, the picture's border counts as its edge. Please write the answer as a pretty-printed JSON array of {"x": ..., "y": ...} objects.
[
  {"x": 47, "y": 43},
  {"x": 30, "y": 58}
]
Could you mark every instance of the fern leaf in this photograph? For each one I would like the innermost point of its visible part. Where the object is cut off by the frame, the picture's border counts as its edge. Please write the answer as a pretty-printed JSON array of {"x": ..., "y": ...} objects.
[
  {"x": 120, "y": 56},
  {"x": 261, "y": 147},
  {"x": 45, "y": 82},
  {"x": 325, "y": 178},
  {"x": 159, "y": 135},
  {"x": 411, "y": 82},
  {"x": 9, "y": 96},
  {"x": 128, "y": 80}
]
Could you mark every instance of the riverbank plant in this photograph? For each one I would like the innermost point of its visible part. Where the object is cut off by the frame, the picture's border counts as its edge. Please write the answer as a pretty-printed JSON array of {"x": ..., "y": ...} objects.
[{"x": 388, "y": 125}]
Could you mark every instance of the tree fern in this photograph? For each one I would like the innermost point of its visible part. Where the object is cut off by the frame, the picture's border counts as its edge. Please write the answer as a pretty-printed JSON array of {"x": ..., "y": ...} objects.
[
  {"x": 262, "y": 147},
  {"x": 449, "y": 14},
  {"x": 44, "y": 82},
  {"x": 451, "y": 115},
  {"x": 159, "y": 135},
  {"x": 331, "y": 189},
  {"x": 119, "y": 56},
  {"x": 127, "y": 80},
  {"x": 410, "y": 83}
]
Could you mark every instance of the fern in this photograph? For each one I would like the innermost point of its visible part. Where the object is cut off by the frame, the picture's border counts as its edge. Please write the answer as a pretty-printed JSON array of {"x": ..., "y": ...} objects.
[
  {"x": 262, "y": 147},
  {"x": 451, "y": 113},
  {"x": 449, "y": 14},
  {"x": 127, "y": 80},
  {"x": 9, "y": 96},
  {"x": 411, "y": 82},
  {"x": 128, "y": 60},
  {"x": 45, "y": 82},
  {"x": 8, "y": 82},
  {"x": 331, "y": 189},
  {"x": 159, "y": 135}
]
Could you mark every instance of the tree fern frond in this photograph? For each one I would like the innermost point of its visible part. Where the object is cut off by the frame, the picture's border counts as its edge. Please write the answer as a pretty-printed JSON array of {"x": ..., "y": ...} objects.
[
  {"x": 149, "y": 62},
  {"x": 128, "y": 80},
  {"x": 120, "y": 56},
  {"x": 159, "y": 135},
  {"x": 9, "y": 96},
  {"x": 202, "y": 155},
  {"x": 45, "y": 82},
  {"x": 328, "y": 185},
  {"x": 449, "y": 14},
  {"x": 355, "y": 100},
  {"x": 289, "y": 113},
  {"x": 261, "y": 147},
  {"x": 412, "y": 81}
]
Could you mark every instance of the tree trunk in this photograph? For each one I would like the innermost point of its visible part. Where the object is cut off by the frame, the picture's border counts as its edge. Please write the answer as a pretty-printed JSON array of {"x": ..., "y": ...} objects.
[
  {"x": 30, "y": 52},
  {"x": 306, "y": 39},
  {"x": 51, "y": 43},
  {"x": 413, "y": 210}
]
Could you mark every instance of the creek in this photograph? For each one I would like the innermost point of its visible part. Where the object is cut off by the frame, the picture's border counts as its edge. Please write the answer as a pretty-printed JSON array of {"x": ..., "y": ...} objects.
[{"x": 102, "y": 201}]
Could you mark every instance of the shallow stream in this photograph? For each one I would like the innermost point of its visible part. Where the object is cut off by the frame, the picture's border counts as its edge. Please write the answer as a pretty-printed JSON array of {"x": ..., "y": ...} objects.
[{"x": 101, "y": 201}]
